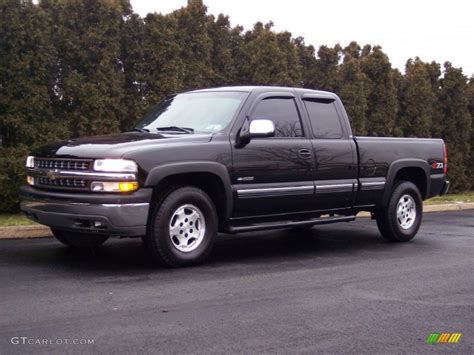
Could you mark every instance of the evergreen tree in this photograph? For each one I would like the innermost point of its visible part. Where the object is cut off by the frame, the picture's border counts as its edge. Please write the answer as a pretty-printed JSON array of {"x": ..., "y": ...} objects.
[
  {"x": 307, "y": 62},
  {"x": 352, "y": 51},
  {"x": 456, "y": 125},
  {"x": 471, "y": 141},
  {"x": 353, "y": 90},
  {"x": 135, "y": 68},
  {"x": 237, "y": 46},
  {"x": 382, "y": 98},
  {"x": 327, "y": 68},
  {"x": 27, "y": 63},
  {"x": 434, "y": 72},
  {"x": 165, "y": 70},
  {"x": 27, "y": 59},
  {"x": 223, "y": 64},
  {"x": 91, "y": 76},
  {"x": 152, "y": 65},
  {"x": 400, "y": 83},
  {"x": 195, "y": 45},
  {"x": 268, "y": 57},
  {"x": 419, "y": 100},
  {"x": 293, "y": 70}
]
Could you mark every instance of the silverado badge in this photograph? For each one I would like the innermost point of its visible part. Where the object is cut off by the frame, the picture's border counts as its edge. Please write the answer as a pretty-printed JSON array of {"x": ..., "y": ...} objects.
[{"x": 53, "y": 174}]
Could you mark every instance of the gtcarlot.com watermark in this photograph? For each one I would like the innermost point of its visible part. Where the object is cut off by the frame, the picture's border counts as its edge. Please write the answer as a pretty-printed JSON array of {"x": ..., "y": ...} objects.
[{"x": 20, "y": 340}]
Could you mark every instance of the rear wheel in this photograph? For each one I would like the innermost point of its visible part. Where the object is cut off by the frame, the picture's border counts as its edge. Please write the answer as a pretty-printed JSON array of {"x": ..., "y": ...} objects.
[
  {"x": 401, "y": 219},
  {"x": 182, "y": 228},
  {"x": 79, "y": 240}
]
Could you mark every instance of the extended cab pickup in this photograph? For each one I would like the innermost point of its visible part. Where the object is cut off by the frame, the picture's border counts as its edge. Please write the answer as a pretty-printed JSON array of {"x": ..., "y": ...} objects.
[{"x": 232, "y": 159}]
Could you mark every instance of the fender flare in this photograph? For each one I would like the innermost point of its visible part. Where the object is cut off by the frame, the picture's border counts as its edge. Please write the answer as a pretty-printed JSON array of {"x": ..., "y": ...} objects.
[
  {"x": 157, "y": 174},
  {"x": 396, "y": 166}
]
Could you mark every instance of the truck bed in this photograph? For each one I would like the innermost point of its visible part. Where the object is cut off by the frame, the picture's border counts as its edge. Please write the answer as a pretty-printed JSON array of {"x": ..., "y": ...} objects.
[{"x": 380, "y": 156}]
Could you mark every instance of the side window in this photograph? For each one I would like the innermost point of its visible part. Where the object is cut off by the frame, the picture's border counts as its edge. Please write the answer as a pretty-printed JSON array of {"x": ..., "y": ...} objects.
[
  {"x": 324, "y": 118},
  {"x": 284, "y": 114}
]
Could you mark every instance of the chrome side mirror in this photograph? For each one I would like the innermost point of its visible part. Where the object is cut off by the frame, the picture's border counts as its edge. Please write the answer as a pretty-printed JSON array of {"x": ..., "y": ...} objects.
[
  {"x": 257, "y": 128},
  {"x": 261, "y": 129}
]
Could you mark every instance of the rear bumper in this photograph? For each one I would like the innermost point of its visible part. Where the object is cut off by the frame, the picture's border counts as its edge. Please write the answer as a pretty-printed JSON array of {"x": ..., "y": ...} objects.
[
  {"x": 110, "y": 214},
  {"x": 439, "y": 185},
  {"x": 445, "y": 189}
]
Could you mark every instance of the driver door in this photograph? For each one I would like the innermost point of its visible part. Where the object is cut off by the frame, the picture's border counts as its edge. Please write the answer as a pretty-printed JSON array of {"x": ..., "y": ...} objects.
[{"x": 274, "y": 174}]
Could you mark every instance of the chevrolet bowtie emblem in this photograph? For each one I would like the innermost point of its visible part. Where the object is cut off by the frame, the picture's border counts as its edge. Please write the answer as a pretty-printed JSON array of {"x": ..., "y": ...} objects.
[{"x": 53, "y": 174}]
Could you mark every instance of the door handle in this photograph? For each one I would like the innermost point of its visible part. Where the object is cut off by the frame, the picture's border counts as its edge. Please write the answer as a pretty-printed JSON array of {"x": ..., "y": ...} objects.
[{"x": 304, "y": 153}]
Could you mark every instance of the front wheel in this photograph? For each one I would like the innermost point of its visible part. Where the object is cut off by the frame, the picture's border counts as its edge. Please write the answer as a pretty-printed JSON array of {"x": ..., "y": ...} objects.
[
  {"x": 182, "y": 228},
  {"x": 79, "y": 240},
  {"x": 401, "y": 218}
]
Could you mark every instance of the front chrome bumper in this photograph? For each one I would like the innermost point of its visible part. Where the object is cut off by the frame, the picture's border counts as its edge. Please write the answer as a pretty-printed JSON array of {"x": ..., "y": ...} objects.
[{"x": 124, "y": 215}]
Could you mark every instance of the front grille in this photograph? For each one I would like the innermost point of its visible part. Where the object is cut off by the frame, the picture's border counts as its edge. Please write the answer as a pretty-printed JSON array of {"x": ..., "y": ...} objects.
[
  {"x": 62, "y": 182},
  {"x": 63, "y": 164}
]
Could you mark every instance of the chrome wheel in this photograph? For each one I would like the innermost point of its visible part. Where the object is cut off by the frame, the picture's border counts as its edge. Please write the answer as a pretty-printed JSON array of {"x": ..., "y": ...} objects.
[
  {"x": 406, "y": 211},
  {"x": 187, "y": 228}
]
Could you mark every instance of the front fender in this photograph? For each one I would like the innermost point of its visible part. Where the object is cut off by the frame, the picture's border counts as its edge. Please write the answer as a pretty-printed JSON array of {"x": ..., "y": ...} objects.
[{"x": 157, "y": 174}]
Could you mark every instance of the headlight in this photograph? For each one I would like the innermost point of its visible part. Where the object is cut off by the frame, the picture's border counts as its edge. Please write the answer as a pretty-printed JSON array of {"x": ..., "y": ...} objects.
[
  {"x": 30, "y": 162},
  {"x": 106, "y": 186},
  {"x": 115, "y": 165}
]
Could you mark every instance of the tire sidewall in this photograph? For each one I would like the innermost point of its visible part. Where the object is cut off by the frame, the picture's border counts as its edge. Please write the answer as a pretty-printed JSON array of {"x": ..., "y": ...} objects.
[
  {"x": 162, "y": 217},
  {"x": 405, "y": 188}
]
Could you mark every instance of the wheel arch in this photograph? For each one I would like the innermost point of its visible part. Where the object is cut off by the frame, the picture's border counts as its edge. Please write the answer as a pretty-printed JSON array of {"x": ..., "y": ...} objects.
[
  {"x": 212, "y": 177},
  {"x": 416, "y": 171}
]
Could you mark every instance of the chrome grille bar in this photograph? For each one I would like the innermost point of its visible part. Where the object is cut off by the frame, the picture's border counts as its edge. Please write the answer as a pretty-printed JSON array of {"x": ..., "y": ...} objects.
[{"x": 65, "y": 164}]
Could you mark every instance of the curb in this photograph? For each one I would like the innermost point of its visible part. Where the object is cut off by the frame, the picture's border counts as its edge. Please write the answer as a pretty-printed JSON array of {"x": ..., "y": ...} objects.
[
  {"x": 40, "y": 231},
  {"x": 449, "y": 207},
  {"x": 437, "y": 208},
  {"x": 25, "y": 232}
]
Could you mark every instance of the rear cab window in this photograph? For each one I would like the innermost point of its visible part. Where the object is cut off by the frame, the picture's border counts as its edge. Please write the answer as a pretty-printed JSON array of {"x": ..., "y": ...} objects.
[{"x": 323, "y": 117}]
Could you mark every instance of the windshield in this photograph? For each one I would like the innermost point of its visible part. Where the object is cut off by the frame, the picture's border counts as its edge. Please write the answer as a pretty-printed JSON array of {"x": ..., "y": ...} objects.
[{"x": 203, "y": 112}]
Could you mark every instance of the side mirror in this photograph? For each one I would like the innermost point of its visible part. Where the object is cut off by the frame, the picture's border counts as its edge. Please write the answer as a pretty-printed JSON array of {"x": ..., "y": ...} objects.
[
  {"x": 258, "y": 128},
  {"x": 261, "y": 128}
]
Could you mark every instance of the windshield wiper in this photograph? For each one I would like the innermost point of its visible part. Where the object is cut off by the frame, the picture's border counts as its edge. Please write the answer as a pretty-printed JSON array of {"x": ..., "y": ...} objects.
[
  {"x": 176, "y": 128},
  {"x": 142, "y": 130}
]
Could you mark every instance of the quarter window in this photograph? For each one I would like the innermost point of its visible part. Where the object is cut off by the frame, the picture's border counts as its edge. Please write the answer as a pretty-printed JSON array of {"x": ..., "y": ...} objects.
[{"x": 284, "y": 114}]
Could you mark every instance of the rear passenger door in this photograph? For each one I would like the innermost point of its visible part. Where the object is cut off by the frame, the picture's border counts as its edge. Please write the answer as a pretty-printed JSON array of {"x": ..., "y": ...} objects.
[
  {"x": 334, "y": 150},
  {"x": 274, "y": 174}
]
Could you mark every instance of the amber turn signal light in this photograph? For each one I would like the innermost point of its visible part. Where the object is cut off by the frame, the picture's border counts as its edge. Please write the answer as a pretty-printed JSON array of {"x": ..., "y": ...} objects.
[{"x": 119, "y": 186}]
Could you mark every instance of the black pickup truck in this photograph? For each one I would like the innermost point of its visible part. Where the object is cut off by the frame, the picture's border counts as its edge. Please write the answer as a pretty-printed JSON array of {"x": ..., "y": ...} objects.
[{"x": 231, "y": 159}]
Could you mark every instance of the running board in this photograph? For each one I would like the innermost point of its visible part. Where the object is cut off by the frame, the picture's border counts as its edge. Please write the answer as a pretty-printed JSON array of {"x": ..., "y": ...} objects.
[{"x": 288, "y": 224}]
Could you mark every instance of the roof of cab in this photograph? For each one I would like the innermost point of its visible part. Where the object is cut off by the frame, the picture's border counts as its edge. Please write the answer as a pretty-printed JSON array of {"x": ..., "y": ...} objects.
[{"x": 263, "y": 89}]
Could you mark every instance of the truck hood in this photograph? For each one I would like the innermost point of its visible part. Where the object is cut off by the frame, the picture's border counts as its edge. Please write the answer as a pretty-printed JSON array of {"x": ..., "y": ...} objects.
[{"x": 114, "y": 146}]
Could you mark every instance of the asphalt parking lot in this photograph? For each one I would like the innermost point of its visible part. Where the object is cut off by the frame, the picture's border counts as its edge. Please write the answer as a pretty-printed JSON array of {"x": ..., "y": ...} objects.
[{"x": 339, "y": 289}]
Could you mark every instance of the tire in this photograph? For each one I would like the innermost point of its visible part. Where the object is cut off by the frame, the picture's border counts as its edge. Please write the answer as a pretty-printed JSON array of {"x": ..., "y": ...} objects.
[
  {"x": 182, "y": 228},
  {"x": 401, "y": 219},
  {"x": 79, "y": 240}
]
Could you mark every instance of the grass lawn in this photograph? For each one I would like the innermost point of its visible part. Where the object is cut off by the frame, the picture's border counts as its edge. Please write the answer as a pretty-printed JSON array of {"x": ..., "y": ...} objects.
[
  {"x": 14, "y": 220},
  {"x": 21, "y": 220},
  {"x": 461, "y": 197}
]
